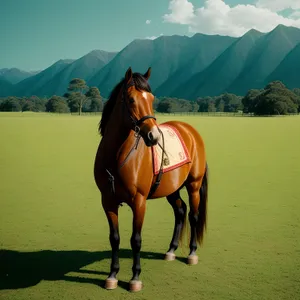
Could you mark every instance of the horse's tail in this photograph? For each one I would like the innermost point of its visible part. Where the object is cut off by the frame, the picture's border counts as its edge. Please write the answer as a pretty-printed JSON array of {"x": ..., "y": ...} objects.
[{"x": 202, "y": 217}]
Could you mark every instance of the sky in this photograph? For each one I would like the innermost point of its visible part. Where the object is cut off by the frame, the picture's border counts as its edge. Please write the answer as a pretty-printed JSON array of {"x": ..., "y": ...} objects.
[{"x": 36, "y": 33}]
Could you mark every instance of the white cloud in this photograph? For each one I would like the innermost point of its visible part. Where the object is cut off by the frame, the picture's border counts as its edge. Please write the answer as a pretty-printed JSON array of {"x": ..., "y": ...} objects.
[
  {"x": 153, "y": 37},
  {"x": 278, "y": 5},
  {"x": 216, "y": 17},
  {"x": 182, "y": 12},
  {"x": 148, "y": 22}
]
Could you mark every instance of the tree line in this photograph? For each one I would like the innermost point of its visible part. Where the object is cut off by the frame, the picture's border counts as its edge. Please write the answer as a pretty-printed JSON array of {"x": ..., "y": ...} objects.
[
  {"x": 79, "y": 98},
  {"x": 223, "y": 103},
  {"x": 274, "y": 99}
]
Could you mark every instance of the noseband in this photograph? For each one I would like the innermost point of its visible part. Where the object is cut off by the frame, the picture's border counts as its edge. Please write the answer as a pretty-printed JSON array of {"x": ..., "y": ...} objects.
[{"x": 135, "y": 123}]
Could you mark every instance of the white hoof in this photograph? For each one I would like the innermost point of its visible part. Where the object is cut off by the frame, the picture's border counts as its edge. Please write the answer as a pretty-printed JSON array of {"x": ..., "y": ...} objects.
[
  {"x": 192, "y": 259},
  {"x": 135, "y": 285},
  {"x": 111, "y": 283},
  {"x": 170, "y": 256}
]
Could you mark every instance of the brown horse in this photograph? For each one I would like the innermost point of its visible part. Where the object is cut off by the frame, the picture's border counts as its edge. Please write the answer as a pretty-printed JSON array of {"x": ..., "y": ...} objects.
[{"x": 123, "y": 171}]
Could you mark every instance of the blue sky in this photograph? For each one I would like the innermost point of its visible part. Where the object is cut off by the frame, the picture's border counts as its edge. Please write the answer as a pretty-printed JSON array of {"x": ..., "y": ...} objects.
[{"x": 36, "y": 33}]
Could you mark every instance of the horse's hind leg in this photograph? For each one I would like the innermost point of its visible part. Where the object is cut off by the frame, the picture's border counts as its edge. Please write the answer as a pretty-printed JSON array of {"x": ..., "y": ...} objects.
[
  {"x": 179, "y": 208},
  {"x": 198, "y": 192},
  {"x": 194, "y": 201}
]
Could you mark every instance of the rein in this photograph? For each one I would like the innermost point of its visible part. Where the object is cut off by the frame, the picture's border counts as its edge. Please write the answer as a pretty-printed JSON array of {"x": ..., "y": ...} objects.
[{"x": 136, "y": 127}]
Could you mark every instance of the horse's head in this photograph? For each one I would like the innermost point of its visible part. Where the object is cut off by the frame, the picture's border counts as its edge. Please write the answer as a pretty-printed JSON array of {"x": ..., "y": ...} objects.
[{"x": 138, "y": 101}]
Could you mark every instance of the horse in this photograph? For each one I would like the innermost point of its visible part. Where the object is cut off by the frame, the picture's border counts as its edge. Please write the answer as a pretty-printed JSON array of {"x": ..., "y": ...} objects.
[{"x": 123, "y": 172}]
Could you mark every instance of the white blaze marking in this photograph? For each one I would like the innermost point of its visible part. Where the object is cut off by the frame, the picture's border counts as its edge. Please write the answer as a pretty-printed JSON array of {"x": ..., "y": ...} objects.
[
  {"x": 144, "y": 95},
  {"x": 154, "y": 129}
]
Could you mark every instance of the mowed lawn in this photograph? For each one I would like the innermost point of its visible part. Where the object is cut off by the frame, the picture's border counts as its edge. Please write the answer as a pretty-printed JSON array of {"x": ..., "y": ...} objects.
[{"x": 54, "y": 235}]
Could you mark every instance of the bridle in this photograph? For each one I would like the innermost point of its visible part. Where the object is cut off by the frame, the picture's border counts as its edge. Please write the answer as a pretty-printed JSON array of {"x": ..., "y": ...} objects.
[{"x": 135, "y": 123}]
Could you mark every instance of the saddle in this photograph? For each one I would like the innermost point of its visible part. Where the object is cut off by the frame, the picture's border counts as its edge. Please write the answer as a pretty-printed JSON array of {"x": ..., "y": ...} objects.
[{"x": 176, "y": 153}]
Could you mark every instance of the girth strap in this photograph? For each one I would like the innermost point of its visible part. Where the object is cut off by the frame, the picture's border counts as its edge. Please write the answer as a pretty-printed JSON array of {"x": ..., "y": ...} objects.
[
  {"x": 155, "y": 184},
  {"x": 159, "y": 175}
]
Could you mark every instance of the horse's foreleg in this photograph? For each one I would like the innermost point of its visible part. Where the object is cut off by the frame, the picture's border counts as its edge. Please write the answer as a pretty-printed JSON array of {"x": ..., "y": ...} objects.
[
  {"x": 114, "y": 237},
  {"x": 138, "y": 209},
  {"x": 179, "y": 208}
]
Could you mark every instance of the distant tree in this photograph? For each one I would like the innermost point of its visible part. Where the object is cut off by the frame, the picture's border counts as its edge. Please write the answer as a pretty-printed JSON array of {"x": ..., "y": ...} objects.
[
  {"x": 171, "y": 105},
  {"x": 67, "y": 95},
  {"x": 94, "y": 98},
  {"x": 33, "y": 103},
  {"x": 155, "y": 103},
  {"x": 297, "y": 93},
  {"x": 232, "y": 102},
  {"x": 28, "y": 105},
  {"x": 204, "y": 103},
  {"x": 250, "y": 100},
  {"x": 194, "y": 107},
  {"x": 165, "y": 106},
  {"x": 220, "y": 105},
  {"x": 228, "y": 103},
  {"x": 276, "y": 99},
  {"x": 273, "y": 104},
  {"x": 57, "y": 104},
  {"x": 211, "y": 107},
  {"x": 86, "y": 106},
  {"x": 72, "y": 103},
  {"x": 93, "y": 92},
  {"x": 77, "y": 102},
  {"x": 77, "y": 87},
  {"x": 181, "y": 105},
  {"x": 39, "y": 104},
  {"x": 10, "y": 104},
  {"x": 207, "y": 104},
  {"x": 96, "y": 105}
]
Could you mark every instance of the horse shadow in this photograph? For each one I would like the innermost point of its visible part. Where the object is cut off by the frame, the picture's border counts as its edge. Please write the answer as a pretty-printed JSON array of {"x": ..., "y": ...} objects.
[{"x": 25, "y": 269}]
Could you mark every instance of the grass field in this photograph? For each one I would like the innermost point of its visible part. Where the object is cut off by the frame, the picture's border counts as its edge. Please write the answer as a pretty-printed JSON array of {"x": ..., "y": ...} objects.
[{"x": 54, "y": 236}]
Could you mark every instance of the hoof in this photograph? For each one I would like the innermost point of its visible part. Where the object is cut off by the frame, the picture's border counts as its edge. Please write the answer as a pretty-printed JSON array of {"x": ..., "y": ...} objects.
[
  {"x": 135, "y": 285},
  {"x": 192, "y": 259},
  {"x": 111, "y": 283},
  {"x": 170, "y": 256}
]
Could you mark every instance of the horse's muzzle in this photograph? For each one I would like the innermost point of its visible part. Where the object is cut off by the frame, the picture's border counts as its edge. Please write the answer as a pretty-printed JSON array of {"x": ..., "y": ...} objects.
[{"x": 151, "y": 138}]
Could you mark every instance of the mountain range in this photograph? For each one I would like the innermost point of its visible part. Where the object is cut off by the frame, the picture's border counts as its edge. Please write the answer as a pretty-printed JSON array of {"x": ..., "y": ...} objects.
[
  {"x": 183, "y": 67},
  {"x": 15, "y": 75}
]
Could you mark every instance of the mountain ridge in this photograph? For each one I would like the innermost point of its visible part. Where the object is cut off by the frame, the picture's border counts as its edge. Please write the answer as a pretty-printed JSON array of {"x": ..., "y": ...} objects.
[
  {"x": 84, "y": 67},
  {"x": 215, "y": 79},
  {"x": 182, "y": 66},
  {"x": 15, "y": 75}
]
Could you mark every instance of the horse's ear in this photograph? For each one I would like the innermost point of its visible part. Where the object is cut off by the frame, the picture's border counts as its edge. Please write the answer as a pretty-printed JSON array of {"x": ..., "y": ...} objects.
[
  {"x": 128, "y": 75},
  {"x": 148, "y": 73}
]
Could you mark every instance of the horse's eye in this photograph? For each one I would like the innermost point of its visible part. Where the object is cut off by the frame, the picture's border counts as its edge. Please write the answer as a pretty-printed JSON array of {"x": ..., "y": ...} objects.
[{"x": 131, "y": 100}]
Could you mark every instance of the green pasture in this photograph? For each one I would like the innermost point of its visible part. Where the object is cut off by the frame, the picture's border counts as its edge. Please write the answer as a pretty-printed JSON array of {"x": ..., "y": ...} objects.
[{"x": 54, "y": 235}]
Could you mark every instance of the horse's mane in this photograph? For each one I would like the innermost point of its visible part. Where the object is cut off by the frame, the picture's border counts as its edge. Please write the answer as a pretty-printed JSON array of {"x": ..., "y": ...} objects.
[{"x": 140, "y": 83}]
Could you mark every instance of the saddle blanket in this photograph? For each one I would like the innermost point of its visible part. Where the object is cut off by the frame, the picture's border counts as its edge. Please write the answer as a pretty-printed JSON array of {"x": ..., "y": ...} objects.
[{"x": 176, "y": 153}]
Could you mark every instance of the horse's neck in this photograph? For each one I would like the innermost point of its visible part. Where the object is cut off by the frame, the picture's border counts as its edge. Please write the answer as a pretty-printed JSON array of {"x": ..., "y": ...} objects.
[
  {"x": 118, "y": 148},
  {"x": 117, "y": 133},
  {"x": 119, "y": 144}
]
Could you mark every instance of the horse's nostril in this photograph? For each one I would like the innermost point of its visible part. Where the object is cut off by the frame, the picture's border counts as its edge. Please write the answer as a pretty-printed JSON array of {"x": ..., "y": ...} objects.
[{"x": 150, "y": 136}]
